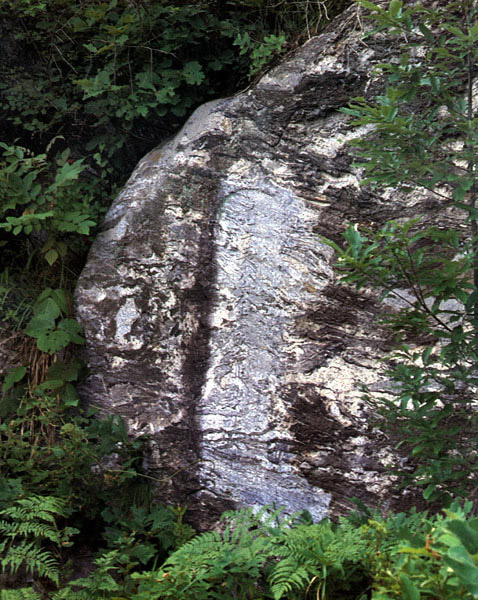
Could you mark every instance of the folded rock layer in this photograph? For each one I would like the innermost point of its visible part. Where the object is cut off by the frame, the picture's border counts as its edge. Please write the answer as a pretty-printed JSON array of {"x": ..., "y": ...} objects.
[{"x": 213, "y": 318}]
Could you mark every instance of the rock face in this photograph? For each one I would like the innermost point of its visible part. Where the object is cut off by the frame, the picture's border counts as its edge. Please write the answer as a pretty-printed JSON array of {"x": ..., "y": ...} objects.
[{"x": 213, "y": 319}]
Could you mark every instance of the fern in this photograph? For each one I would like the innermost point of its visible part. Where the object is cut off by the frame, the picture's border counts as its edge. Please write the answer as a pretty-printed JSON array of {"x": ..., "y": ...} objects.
[
  {"x": 312, "y": 553},
  {"x": 97, "y": 583},
  {"x": 225, "y": 564},
  {"x": 26, "y": 526},
  {"x": 32, "y": 528},
  {"x": 34, "y": 559},
  {"x": 287, "y": 576},
  {"x": 34, "y": 508},
  {"x": 20, "y": 594}
]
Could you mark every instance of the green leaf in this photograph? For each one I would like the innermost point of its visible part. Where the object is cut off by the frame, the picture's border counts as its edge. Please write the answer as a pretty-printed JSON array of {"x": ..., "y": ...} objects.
[
  {"x": 429, "y": 490},
  {"x": 144, "y": 80},
  {"x": 370, "y": 5},
  {"x": 193, "y": 73},
  {"x": 63, "y": 371},
  {"x": 51, "y": 256},
  {"x": 84, "y": 227},
  {"x": 12, "y": 377},
  {"x": 62, "y": 299},
  {"x": 144, "y": 552},
  {"x": 409, "y": 590},
  {"x": 69, "y": 172},
  {"x": 47, "y": 309},
  {"x": 464, "y": 567},
  {"x": 73, "y": 329},
  {"x": 39, "y": 325},
  {"x": 51, "y": 341},
  {"x": 52, "y": 384},
  {"x": 69, "y": 395},
  {"x": 426, "y": 32},
  {"x": 395, "y": 8},
  {"x": 467, "y": 533}
]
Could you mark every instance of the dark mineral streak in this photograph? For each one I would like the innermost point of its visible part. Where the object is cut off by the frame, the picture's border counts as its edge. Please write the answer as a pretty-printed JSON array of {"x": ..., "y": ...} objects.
[{"x": 213, "y": 318}]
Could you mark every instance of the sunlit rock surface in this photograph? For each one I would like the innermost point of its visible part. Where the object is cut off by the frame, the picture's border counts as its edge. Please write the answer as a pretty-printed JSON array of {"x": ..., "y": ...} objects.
[{"x": 213, "y": 318}]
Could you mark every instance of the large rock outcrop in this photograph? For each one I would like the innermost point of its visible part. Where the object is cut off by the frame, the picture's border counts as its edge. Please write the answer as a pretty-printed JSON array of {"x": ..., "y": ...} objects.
[{"x": 213, "y": 318}]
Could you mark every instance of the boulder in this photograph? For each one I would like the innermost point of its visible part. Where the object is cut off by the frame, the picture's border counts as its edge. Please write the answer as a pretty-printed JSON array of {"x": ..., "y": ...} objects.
[{"x": 213, "y": 318}]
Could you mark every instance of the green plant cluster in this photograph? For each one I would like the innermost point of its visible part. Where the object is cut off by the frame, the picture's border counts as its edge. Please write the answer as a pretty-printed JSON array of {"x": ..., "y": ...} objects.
[
  {"x": 423, "y": 136},
  {"x": 86, "y": 87},
  {"x": 25, "y": 526},
  {"x": 104, "y": 74},
  {"x": 263, "y": 556},
  {"x": 258, "y": 556},
  {"x": 101, "y": 68},
  {"x": 64, "y": 472}
]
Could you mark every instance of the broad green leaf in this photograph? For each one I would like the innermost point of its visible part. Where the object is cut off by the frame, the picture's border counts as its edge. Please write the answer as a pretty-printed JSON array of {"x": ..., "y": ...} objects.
[
  {"x": 38, "y": 325},
  {"x": 51, "y": 341},
  {"x": 45, "y": 294},
  {"x": 63, "y": 371},
  {"x": 73, "y": 329},
  {"x": 12, "y": 377},
  {"x": 69, "y": 172},
  {"x": 144, "y": 552},
  {"x": 52, "y": 384},
  {"x": 464, "y": 567},
  {"x": 144, "y": 80},
  {"x": 193, "y": 73},
  {"x": 409, "y": 590},
  {"x": 61, "y": 297},
  {"x": 467, "y": 533},
  {"x": 51, "y": 256},
  {"x": 47, "y": 309}
]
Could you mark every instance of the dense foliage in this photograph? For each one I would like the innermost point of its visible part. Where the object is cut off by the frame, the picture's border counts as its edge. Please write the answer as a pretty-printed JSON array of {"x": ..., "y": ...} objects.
[
  {"x": 424, "y": 136},
  {"x": 254, "y": 556},
  {"x": 85, "y": 88}
]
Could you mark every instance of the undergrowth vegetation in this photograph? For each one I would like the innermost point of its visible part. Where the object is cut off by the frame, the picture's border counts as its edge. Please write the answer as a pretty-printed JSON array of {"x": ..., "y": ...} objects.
[
  {"x": 423, "y": 138},
  {"x": 86, "y": 87}
]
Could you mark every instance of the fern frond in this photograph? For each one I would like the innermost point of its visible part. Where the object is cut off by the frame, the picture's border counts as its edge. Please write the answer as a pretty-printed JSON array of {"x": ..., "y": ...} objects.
[
  {"x": 286, "y": 576},
  {"x": 20, "y": 594},
  {"x": 29, "y": 528},
  {"x": 201, "y": 550},
  {"x": 68, "y": 594},
  {"x": 43, "y": 508},
  {"x": 312, "y": 552},
  {"x": 33, "y": 559}
]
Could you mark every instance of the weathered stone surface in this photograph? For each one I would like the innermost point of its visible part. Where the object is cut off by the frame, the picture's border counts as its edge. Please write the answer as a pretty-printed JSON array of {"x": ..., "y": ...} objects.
[{"x": 213, "y": 319}]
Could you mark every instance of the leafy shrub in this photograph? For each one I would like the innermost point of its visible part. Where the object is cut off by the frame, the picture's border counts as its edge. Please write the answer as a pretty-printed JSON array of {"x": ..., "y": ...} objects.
[
  {"x": 262, "y": 556},
  {"x": 103, "y": 68},
  {"x": 397, "y": 557},
  {"x": 35, "y": 197},
  {"x": 49, "y": 450},
  {"x": 324, "y": 556},
  {"x": 422, "y": 135},
  {"x": 226, "y": 564},
  {"x": 136, "y": 538},
  {"x": 255, "y": 557}
]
